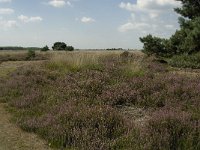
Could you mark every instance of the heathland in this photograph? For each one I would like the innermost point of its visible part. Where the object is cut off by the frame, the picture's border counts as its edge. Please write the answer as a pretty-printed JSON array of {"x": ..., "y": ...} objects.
[{"x": 102, "y": 99}]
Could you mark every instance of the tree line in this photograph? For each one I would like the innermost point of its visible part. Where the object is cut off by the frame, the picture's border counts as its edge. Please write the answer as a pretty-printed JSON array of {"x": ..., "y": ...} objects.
[
  {"x": 18, "y": 48},
  {"x": 58, "y": 46}
]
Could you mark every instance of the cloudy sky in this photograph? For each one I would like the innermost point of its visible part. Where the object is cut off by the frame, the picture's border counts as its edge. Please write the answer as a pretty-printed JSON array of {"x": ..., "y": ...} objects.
[{"x": 85, "y": 23}]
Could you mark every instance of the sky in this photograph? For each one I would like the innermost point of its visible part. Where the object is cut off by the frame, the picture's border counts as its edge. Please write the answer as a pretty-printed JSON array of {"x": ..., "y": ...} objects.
[{"x": 85, "y": 24}]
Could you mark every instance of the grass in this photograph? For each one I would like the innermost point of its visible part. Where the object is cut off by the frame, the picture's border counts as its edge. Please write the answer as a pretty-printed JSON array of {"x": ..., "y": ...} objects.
[
  {"x": 12, "y": 137},
  {"x": 76, "y": 100},
  {"x": 64, "y": 62},
  {"x": 21, "y": 56}
]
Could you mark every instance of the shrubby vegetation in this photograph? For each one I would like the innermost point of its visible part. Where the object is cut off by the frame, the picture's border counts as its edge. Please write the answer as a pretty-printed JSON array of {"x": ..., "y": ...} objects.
[
  {"x": 116, "y": 103},
  {"x": 44, "y": 49},
  {"x": 31, "y": 55},
  {"x": 110, "y": 100},
  {"x": 186, "y": 61},
  {"x": 61, "y": 46},
  {"x": 19, "y": 48},
  {"x": 114, "y": 49},
  {"x": 184, "y": 41},
  {"x": 22, "y": 56},
  {"x": 154, "y": 45}
]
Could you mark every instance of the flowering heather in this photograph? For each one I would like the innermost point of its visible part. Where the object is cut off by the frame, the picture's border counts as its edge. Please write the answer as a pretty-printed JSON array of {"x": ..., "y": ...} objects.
[{"x": 82, "y": 109}]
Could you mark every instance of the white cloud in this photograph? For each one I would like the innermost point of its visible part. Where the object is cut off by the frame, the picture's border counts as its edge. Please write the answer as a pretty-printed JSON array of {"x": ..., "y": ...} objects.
[
  {"x": 87, "y": 20},
  {"x": 5, "y": 1},
  {"x": 59, "y": 3},
  {"x": 153, "y": 8},
  {"x": 27, "y": 19},
  {"x": 6, "y": 11},
  {"x": 153, "y": 15},
  {"x": 169, "y": 26},
  {"x": 150, "y": 16},
  {"x": 130, "y": 26},
  {"x": 4, "y": 24},
  {"x": 150, "y": 5}
]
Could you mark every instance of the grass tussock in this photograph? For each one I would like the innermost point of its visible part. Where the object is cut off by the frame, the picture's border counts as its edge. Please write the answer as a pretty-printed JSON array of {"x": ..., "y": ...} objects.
[{"x": 73, "y": 105}]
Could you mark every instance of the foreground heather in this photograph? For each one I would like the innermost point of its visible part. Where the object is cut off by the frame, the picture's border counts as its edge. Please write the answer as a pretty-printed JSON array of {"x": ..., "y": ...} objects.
[{"x": 82, "y": 107}]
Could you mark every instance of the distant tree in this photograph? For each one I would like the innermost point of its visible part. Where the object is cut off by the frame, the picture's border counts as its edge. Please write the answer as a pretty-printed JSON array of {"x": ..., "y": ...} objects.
[
  {"x": 114, "y": 49},
  {"x": 59, "y": 46},
  {"x": 44, "y": 49},
  {"x": 69, "y": 48}
]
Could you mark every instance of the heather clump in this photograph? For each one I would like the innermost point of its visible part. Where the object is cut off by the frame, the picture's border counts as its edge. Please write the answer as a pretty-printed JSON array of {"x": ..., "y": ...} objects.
[
  {"x": 77, "y": 125},
  {"x": 153, "y": 91},
  {"x": 173, "y": 129}
]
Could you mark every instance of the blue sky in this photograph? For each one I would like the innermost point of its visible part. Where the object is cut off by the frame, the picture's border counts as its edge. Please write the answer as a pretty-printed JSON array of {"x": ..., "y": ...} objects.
[{"x": 85, "y": 23}]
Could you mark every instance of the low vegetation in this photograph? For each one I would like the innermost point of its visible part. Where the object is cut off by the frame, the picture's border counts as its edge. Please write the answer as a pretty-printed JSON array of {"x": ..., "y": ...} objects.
[
  {"x": 22, "y": 55},
  {"x": 11, "y": 48},
  {"x": 186, "y": 61},
  {"x": 105, "y": 100},
  {"x": 45, "y": 49},
  {"x": 111, "y": 100}
]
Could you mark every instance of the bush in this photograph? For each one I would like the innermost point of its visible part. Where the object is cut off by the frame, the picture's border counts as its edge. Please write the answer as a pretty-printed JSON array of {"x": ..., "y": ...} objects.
[
  {"x": 31, "y": 54},
  {"x": 81, "y": 126},
  {"x": 154, "y": 45},
  {"x": 44, "y": 49},
  {"x": 173, "y": 129},
  {"x": 61, "y": 46},
  {"x": 69, "y": 48},
  {"x": 186, "y": 61}
]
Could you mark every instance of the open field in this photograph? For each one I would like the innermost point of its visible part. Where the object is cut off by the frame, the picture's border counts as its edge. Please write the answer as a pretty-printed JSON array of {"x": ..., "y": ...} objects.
[{"x": 101, "y": 100}]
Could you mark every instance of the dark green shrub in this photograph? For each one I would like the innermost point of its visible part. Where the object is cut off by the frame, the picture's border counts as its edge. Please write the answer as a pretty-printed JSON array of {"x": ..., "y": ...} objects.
[
  {"x": 69, "y": 48},
  {"x": 59, "y": 46},
  {"x": 175, "y": 43},
  {"x": 154, "y": 45},
  {"x": 186, "y": 61},
  {"x": 44, "y": 49},
  {"x": 31, "y": 54}
]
